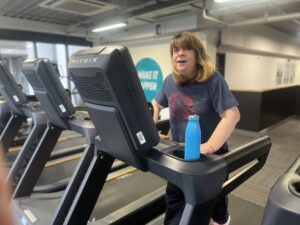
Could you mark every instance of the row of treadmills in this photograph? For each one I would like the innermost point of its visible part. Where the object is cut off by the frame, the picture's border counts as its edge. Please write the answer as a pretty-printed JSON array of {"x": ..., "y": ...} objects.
[{"x": 108, "y": 165}]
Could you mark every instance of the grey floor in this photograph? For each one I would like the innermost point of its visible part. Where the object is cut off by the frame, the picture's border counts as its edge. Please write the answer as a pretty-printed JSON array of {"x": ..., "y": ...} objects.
[{"x": 251, "y": 197}]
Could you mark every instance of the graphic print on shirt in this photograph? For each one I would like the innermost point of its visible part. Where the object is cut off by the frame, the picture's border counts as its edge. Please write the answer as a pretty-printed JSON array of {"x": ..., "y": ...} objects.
[{"x": 180, "y": 106}]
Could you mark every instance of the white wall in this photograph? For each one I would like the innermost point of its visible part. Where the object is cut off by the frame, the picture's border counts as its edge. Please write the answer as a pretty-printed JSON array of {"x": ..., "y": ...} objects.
[
  {"x": 252, "y": 72},
  {"x": 210, "y": 40},
  {"x": 297, "y": 78},
  {"x": 253, "y": 55},
  {"x": 158, "y": 50}
]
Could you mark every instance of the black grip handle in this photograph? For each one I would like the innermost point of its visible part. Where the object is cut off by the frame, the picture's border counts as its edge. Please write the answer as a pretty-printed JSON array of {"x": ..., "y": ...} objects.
[
  {"x": 254, "y": 154},
  {"x": 163, "y": 126}
]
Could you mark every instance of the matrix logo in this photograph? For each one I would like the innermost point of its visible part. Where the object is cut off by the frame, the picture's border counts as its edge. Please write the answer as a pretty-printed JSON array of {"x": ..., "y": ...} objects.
[{"x": 84, "y": 60}]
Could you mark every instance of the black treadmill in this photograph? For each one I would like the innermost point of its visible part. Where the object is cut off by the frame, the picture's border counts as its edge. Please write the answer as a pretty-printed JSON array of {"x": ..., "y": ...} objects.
[
  {"x": 40, "y": 208},
  {"x": 4, "y": 114},
  {"x": 21, "y": 109},
  {"x": 283, "y": 206},
  {"x": 60, "y": 116},
  {"x": 118, "y": 108},
  {"x": 4, "y": 118}
]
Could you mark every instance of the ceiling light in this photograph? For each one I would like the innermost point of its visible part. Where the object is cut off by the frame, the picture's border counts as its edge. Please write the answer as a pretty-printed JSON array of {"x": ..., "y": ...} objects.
[
  {"x": 220, "y": 1},
  {"x": 110, "y": 27}
]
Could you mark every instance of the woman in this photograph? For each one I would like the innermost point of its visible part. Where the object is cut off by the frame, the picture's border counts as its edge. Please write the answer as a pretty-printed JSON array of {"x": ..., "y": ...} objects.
[{"x": 194, "y": 87}]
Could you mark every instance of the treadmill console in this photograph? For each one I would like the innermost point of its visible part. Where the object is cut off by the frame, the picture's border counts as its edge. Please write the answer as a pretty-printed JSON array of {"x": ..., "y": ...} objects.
[
  {"x": 49, "y": 90},
  {"x": 108, "y": 84},
  {"x": 9, "y": 89}
]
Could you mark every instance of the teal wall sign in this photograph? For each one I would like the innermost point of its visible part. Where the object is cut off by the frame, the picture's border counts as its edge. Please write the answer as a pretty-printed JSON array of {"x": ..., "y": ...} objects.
[{"x": 150, "y": 76}]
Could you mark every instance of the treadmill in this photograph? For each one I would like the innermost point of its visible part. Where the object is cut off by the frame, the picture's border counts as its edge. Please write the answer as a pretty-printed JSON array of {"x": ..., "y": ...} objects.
[
  {"x": 283, "y": 202},
  {"x": 118, "y": 108},
  {"x": 4, "y": 114},
  {"x": 4, "y": 117},
  {"x": 60, "y": 116},
  {"x": 40, "y": 208},
  {"x": 21, "y": 109}
]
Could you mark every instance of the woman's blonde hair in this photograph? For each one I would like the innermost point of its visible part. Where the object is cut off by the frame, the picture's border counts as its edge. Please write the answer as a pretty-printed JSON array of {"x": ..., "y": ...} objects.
[{"x": 204, "y": 66}]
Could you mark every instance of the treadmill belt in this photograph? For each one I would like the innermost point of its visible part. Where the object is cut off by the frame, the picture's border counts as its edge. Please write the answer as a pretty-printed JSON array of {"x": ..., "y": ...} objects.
[
  {"x": 117, "y": 193},
  {"x": 241, "y": 211},
  {"x": 63, "y": 169}
]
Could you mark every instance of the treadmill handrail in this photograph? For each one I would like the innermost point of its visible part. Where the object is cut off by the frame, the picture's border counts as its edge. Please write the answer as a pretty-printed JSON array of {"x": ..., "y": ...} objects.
[
  {"x": 163, "y": 126},
  {"x": 256, "y": 152},
  {"x": 257, "y": 149}
]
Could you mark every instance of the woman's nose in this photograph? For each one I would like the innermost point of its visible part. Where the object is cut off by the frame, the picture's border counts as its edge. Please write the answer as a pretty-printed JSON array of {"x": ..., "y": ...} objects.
[{"x": 180, "y": 51}]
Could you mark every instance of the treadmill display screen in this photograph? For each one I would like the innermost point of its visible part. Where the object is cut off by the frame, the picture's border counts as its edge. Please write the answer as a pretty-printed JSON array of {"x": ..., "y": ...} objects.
[
  {"x": 109, "y": 85},
  {"x": 10, "y": 91}
]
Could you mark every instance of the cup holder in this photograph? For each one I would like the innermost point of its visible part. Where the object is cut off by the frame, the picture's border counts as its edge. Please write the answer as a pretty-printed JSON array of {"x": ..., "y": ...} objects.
[
  {"x": 294, "y": 187},
  {"x": 180, "y": 155}
]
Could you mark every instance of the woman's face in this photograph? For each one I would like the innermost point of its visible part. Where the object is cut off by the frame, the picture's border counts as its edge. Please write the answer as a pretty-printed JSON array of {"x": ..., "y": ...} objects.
[{"x": 184, "y": 61}]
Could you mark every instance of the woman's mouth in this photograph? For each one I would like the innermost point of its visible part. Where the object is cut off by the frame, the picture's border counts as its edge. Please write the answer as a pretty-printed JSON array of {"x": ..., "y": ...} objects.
[{"x": 181, "y": 61}]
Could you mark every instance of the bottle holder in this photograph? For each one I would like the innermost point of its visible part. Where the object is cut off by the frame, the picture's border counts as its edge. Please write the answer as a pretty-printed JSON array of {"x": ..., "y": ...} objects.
[
  {"x": 294, "y": 187},
  {"x": 179, "y": 154}
]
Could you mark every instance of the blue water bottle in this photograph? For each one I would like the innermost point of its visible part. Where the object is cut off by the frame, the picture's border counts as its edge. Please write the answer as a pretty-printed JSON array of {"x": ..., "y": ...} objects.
[{"x": 192, "y": 139}]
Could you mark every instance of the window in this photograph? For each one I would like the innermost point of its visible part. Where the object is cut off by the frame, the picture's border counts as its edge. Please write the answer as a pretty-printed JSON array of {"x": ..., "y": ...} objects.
[
  {"x": 56, "y": 53},
  {"x": 14, "y": 53}
]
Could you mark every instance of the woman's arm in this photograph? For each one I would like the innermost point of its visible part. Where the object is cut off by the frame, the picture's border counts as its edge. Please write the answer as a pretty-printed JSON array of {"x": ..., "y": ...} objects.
[
  {"x": 6, "y": 217},
  {"x": 223, "y": 131},
  {"x": 156, "y": 110}
]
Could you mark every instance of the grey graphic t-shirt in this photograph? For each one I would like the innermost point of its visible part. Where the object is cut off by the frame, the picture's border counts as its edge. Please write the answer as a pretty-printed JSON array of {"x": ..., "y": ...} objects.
[{"x": 207, "y": 100}]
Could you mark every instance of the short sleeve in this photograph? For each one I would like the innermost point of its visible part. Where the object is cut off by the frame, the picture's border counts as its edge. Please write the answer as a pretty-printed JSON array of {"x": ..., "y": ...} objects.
[
  {"x": 161, "y": 96},
  {"x": 222, "y": 98}
]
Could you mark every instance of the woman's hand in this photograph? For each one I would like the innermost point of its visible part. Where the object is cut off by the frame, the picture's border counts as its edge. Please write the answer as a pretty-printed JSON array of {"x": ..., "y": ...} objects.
[
  {"x": 206, "y": 148},
  {"x": 165, "y": 137}
]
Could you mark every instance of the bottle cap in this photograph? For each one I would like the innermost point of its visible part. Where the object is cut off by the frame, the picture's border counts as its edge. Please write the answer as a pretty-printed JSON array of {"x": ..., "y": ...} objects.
[{"x": 193, "y": 117}]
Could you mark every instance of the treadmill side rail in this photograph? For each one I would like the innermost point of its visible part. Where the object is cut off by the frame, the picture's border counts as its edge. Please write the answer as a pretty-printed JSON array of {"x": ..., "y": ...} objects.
[
  {"x": 10, "y": 131},
  {"x": 87, "y": 194},
  {"x": 73, "y": 185},
  {"x": 283, "y": 206},
  {"x": 31, "y": 161}
]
